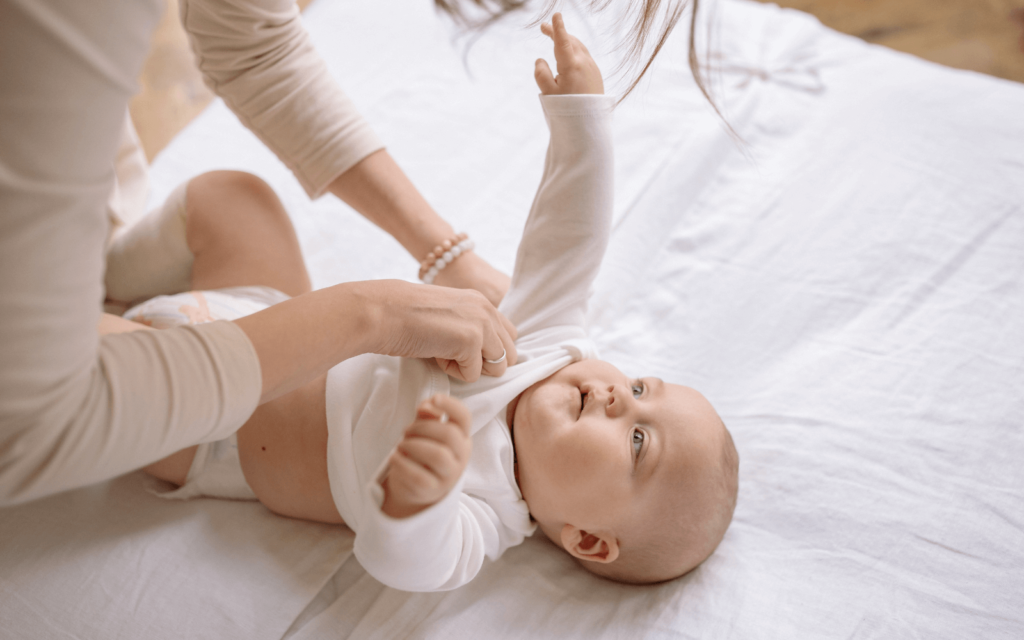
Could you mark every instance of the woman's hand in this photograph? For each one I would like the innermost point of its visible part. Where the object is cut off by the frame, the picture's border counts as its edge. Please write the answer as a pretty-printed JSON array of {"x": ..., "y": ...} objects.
[
  {"x": 430, "y": 459},
  {"x": 459, "y": 328},
  {"x": 577, "y": 71},
  {"x": 471, "y": 271},
  {"x": 299, "y": 339}
]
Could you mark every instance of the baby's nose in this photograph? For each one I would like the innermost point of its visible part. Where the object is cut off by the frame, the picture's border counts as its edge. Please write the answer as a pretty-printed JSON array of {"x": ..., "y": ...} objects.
[{"x": 614, "y": 402}]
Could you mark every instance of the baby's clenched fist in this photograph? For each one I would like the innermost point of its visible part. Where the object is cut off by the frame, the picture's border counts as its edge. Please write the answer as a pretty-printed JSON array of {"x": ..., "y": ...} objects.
[
  {"x": 577, "y": 71},
  {"x": 430, "y": 459}
]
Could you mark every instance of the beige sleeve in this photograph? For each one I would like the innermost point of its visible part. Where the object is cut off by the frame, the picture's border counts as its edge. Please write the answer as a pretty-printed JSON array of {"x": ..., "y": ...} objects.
[
  {"x": 257, "y": 56},
  {"x": 75, "y": 409}
]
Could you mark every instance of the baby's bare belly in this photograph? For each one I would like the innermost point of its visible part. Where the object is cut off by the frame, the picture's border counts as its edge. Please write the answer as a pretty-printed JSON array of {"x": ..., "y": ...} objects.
[{"x": 283, "y": 451}]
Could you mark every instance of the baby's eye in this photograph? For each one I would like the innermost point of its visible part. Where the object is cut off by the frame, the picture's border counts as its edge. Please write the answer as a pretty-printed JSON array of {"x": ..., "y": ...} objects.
[
  {"x": 638, "y": 442},
  {"x": 638, "y": 388}
]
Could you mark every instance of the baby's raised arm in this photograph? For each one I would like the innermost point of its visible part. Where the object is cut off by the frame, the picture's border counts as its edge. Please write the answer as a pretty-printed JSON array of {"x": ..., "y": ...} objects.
[{"x": 567, "y": 231}]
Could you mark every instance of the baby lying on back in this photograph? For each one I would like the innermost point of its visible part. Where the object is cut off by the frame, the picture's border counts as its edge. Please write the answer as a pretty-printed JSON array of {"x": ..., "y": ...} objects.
[{"x": 634, "y": 477}]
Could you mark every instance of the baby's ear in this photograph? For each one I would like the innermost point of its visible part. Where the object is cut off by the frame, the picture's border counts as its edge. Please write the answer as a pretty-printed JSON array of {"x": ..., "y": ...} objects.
[{"x": 595, "y": 546}]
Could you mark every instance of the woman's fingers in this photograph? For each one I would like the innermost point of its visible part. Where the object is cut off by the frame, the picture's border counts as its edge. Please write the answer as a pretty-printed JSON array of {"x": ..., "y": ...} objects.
[
  {"x": 454, "y": 326},
  {"x": 466, "y": 369},
  {"x": 470, "y": 364},
  {"x": 502, "y": 354},
  {"x": 495, "y": 367}
]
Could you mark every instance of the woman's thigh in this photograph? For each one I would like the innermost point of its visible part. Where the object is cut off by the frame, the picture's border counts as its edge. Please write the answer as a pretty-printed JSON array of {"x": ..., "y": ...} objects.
[{"x": 240, "y": 235}]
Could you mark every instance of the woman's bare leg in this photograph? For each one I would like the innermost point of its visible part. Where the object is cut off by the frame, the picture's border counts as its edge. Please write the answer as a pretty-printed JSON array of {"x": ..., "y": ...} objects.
[{"x": 240, "y": 235}]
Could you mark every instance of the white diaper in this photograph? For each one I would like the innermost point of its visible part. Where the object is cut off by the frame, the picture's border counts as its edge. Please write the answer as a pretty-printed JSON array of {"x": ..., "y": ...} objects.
[
  {"x": 216, "y": 471},
  {"x": 197, "y": 307}
]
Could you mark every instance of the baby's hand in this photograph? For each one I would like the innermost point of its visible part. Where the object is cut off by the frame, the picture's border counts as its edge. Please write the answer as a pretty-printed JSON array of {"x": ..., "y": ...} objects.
[
  {"x": 577, "y": 71},
  {"x": 429, "y": 460}
]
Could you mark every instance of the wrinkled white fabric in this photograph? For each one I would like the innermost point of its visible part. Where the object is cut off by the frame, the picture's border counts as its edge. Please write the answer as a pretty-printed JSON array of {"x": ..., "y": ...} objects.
[{"x": 846, "y": 288}]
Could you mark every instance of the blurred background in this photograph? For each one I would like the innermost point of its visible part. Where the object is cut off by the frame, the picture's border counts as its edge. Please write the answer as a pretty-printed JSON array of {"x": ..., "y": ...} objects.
[{"x": 986, "y": 36}]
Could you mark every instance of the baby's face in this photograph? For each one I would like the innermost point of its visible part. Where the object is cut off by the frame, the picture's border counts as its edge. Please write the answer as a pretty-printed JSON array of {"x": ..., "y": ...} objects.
[{"x": 600, "y": 451}]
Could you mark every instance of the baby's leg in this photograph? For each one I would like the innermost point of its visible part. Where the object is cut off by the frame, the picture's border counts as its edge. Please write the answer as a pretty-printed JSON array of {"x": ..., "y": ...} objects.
[
  {"x": 151, "y": 257},
  {"x": 222, "y": 229},
  {"x": 239, "y": 235}
]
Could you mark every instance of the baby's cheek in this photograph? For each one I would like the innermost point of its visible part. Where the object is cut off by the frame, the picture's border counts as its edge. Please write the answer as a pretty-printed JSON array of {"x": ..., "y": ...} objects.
[{"x": 580, "y": 467}]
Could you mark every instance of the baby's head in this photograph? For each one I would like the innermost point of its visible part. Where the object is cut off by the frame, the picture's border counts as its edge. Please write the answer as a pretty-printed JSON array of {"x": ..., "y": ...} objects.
[{"x": 635, "y": 478}]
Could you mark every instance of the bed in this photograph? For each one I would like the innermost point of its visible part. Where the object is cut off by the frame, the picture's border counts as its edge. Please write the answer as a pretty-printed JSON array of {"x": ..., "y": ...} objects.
[{"x": 845, "y": 282}]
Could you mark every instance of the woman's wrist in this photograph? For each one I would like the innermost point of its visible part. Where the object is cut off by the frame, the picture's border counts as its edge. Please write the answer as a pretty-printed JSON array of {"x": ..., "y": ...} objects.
[
  {"x": 471, "y": 271},
  {"x": 443, "y": 255},
  {"x": 380, "y": 313}
]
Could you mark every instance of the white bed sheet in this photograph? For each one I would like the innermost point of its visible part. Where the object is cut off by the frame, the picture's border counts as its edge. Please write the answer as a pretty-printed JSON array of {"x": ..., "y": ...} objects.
[{"x": 847, "y": 288}]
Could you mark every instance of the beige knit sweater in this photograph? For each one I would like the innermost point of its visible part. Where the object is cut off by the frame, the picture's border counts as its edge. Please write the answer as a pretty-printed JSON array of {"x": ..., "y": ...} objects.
[{"x": 76, "y": 408}]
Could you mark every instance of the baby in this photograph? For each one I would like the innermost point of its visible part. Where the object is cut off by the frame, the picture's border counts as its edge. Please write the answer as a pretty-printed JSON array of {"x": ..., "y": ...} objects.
[{"x": 634, "y": 477}]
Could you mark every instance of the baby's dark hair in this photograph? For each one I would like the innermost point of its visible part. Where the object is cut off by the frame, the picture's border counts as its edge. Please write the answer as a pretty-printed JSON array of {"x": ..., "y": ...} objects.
[{"x": 676, "y": 545}]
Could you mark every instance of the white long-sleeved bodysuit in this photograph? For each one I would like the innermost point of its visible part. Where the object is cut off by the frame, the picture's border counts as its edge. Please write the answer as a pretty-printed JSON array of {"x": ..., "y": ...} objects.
[
  {"x": 76, "y": 408},
  {"x": 371, "y": 399}
]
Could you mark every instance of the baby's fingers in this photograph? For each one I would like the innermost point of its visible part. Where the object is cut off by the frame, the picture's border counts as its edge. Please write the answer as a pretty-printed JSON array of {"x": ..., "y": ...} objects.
[
  {"x": 434, "y": 457},
  {"x": 545, "y": 81},
  {"x": 563, "y": 41},
  {"x": 457, "y": 412},
  {"x": 411, "y": 483}
]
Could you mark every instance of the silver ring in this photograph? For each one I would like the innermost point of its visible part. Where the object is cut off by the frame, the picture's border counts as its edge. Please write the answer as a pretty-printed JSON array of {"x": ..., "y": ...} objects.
[{"x": 498, "y": 361}]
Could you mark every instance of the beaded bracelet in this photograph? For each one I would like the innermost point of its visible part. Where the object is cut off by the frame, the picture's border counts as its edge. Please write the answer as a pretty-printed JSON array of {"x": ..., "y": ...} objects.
[{"x": 443, "y": 255}]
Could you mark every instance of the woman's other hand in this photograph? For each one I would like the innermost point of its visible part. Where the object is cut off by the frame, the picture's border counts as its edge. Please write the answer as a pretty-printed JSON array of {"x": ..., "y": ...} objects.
[
  {"x": 577, "y": 71},
  {"x": 471, "y": 271}
]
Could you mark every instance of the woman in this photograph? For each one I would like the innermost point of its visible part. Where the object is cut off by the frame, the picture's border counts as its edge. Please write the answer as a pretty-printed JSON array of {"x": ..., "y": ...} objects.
[{"x": 77, "y": 408}]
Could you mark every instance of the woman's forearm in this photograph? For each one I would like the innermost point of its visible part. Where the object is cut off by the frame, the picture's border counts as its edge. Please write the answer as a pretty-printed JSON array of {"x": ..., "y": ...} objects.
[
  {"x": 301, "y": 338},
  {"x": 377, "y": 188}
]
